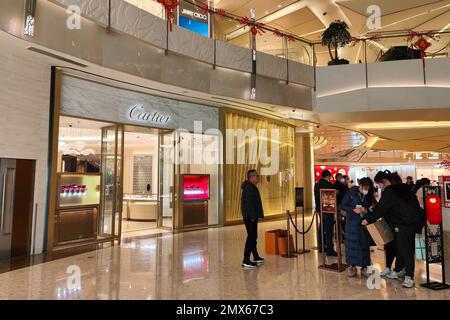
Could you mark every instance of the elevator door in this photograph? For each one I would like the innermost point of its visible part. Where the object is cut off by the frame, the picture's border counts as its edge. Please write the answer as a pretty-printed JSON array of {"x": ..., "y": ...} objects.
[
  {"x": 8, "y": 177},
  {"x": 16, "y": 207}
]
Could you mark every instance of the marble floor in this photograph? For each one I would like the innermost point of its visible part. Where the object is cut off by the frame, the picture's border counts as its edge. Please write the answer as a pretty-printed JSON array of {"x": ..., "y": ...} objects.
[
  {"x": 139, "y": 229},
  {"x": 197, "y": 265}
]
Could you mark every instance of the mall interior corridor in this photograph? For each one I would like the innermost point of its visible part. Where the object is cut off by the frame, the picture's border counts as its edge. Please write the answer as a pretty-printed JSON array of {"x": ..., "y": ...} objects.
[{"x": 200, "y": 265}]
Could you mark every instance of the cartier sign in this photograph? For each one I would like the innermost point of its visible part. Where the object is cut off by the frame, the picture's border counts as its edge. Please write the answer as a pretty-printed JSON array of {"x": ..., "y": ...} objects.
[{"x": 137, "y": 112}]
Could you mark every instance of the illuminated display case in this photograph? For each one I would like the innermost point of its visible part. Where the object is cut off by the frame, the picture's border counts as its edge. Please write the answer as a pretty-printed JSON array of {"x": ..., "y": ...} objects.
[
  {"x": 78, "y": 190},
  {"x": 195, "y": 187}
]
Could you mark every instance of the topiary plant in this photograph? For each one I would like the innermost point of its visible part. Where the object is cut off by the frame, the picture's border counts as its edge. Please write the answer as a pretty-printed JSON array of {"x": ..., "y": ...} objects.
[{"x": 334, "y": 37}]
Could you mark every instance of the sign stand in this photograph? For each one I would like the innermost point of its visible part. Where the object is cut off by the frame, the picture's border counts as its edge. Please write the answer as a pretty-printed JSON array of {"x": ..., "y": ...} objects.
[
  {"x": 299, "y": 204},
  {"x": 328, "y": 205},
  {"x": 434, "y": 241}
]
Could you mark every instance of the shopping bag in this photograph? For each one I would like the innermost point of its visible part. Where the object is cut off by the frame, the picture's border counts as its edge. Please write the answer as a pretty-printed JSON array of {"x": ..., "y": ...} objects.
[
  {"x": 365, "y": 238},
  {"x": 420, "y": 248},
  {"x": 380, "y": 232}
]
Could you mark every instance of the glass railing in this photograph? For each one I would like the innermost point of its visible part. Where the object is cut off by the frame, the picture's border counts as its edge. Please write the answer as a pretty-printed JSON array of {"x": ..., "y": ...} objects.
[{"x": 230, "y": 31}]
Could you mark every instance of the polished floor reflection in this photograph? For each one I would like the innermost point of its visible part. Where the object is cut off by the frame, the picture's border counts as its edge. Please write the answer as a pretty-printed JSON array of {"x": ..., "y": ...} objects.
[{"x": 196, "y": 265}]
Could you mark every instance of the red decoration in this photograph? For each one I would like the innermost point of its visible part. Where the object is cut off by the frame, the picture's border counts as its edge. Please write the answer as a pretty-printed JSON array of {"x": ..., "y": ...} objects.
[
  {"x": 204, "y": 8},
  {"x": 446, "y": 162},
  {"x": 291, "y": 38},
  {"x": 334, "y": 169},
  {"x": 434, "y": 209},
  {"x": 170, "y": 6},
  {"x": 278, "y": 33},
  {"x": 422, "y": 44},
  {"x": 221, "y": 12},
  {"x": 256, "y": 28}
]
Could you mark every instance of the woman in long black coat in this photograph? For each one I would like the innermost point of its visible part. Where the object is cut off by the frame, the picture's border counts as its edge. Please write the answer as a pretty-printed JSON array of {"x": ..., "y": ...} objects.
[{"x": 357, "y": 248}]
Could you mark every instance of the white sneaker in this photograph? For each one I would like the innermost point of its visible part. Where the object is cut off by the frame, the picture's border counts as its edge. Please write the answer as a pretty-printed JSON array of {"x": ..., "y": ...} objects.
[
  {"x": 408, "y": 282},
  {"x": 385, "y": 272},
  {"x": 393, "y": 275},
  {"x": 401, "y": 274}
]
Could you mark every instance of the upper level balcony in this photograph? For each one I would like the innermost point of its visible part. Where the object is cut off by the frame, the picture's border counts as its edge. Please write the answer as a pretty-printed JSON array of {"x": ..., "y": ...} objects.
[{"x": 217, "y": 62}]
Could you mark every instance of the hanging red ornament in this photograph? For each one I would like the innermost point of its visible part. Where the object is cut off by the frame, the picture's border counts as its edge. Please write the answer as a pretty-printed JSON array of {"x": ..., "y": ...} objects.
[
  {"x": 169, "y": 6},
  {"x": 255, "y": 27},
  {"x": 422, "y": 44}
]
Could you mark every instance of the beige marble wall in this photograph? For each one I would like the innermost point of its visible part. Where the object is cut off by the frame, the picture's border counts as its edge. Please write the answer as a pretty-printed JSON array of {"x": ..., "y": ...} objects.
[{"x": 24, "y": 120}]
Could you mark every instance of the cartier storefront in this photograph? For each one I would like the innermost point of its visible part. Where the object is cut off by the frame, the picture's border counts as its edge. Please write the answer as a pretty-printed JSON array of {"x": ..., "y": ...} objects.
[{"x": 127, "y": 162}]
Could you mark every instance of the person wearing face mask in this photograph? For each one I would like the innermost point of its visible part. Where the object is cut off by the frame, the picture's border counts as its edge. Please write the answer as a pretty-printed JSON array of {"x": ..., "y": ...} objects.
[
  {"x": 357, "y": 249},
  {"x": 328, "y": 219},
  {"x": 397, "y": 208}
]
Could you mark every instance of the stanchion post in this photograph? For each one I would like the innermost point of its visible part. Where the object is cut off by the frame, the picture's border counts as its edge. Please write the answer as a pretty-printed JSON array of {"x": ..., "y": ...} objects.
[
  {"x": 296, "y": 228},
  {"x": 323, "y": 239},
  {"x": 288, "y": 214}
]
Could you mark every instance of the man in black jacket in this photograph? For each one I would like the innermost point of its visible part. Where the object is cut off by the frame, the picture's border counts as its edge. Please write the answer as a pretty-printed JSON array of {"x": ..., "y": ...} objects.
[
  {"x": 328, "y": 219},
  {"x": 252, "y": 210}
]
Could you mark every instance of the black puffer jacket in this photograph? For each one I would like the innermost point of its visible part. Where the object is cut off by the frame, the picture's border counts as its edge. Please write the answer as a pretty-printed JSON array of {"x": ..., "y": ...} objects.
[
  {"x": 251, "y": 204},
  {"x": 397, "y": 206}
]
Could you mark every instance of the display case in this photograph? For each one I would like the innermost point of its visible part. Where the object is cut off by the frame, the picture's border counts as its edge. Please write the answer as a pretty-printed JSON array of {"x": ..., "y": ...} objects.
[
  {"x": 140, "y": 207},
  {"x": 195, "y": 187},
  {"x": 195, "y": 191},
  {"x": 78, "y": 202}
]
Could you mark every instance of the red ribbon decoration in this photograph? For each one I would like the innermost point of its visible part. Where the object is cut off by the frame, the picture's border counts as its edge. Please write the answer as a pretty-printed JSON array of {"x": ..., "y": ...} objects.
[
  {"x": 221, "y": 12},
  {"x": 170, "y": 6},
  {"x": 204, "y": 8},
  {"x": 422, "y": 44},
  {"x": 255, "y": 27}
]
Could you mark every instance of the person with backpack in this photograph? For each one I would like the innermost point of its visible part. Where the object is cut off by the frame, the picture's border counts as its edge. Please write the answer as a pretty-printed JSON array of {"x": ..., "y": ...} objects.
[{"x": 398, "y": 207}]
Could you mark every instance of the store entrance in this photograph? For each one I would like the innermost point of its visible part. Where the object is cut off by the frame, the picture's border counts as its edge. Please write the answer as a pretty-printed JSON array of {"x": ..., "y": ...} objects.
[
  {"x": 114, "y": 182},
  {"x": 148, "y": 181}
]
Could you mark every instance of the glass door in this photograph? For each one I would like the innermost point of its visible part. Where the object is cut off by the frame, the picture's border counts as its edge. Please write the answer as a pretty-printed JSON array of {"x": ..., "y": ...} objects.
[
  {"x": 111, "y": 186},
  {"x": 166, "y": 180}
]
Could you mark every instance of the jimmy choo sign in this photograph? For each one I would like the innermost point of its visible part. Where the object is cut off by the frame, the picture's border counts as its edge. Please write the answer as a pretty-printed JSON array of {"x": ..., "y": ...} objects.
[{"x": 137, "y": 112}]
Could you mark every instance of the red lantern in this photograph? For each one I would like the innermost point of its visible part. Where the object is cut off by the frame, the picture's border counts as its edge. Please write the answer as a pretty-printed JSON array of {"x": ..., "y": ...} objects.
[
  {"x": 434, "y": 209},
  {"x": 170, "y": 6}
]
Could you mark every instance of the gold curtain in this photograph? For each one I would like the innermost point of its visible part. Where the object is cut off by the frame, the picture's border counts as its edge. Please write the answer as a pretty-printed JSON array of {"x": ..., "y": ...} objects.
[{"x": 277, "y": 190}]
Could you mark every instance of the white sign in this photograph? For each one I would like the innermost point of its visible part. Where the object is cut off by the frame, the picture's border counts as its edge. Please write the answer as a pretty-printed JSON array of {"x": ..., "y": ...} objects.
[
  {"x": 137, "y": 112},
  {"x": 197, "y": 15}
]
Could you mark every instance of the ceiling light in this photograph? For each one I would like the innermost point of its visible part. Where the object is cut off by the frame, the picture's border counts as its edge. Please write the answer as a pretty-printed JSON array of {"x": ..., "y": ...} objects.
[
  {"x": 405, "y": 125},
  {"x": 279, "y": 6}
]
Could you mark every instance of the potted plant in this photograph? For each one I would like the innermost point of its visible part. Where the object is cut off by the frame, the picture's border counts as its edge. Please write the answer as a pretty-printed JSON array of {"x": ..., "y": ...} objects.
[{"x": 336, "y": 36}]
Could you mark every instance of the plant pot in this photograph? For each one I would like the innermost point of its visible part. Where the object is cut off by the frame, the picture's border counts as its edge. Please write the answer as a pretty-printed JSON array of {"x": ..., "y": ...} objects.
[{"x": 338, "y": 62}]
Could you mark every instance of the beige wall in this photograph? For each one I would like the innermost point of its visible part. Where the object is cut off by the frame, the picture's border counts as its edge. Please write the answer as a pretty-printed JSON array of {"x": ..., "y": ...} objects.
[{"x": 24, "y": 120}]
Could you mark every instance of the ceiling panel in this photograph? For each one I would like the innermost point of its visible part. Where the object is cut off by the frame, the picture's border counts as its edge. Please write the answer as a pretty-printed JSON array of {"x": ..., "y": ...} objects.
[{"x": 387, "y": 6}]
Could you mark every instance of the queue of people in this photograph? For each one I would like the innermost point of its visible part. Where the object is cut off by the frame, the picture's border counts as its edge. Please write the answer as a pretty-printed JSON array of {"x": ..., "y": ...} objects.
[
  {"x": 399, "y": 204},
  {"x": 386, "y": 197}
]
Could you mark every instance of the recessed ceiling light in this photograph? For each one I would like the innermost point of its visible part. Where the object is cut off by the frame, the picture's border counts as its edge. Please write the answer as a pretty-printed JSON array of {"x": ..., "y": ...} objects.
[
  {"x": 279, "y": 6},
  {"x": 267, "y": 12}
]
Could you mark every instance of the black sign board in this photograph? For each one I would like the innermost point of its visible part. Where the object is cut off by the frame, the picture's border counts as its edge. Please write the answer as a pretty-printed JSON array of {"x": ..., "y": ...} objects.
[{"x": 299, "y": 201}]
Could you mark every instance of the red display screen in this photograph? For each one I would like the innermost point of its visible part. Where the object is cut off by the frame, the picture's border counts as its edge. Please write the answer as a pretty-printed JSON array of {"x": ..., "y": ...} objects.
[{"x": 195, "y": 187}]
